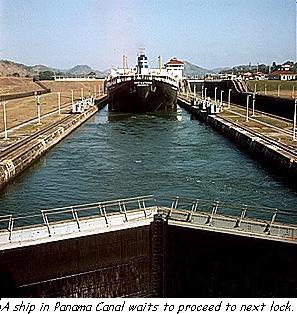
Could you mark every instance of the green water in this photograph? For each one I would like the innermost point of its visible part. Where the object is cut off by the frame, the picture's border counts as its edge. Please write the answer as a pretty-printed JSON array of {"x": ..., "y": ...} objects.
[{"x": 116, "y": 156}]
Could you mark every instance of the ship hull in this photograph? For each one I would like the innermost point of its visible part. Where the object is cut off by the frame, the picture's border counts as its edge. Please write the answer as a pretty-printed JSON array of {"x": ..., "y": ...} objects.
[{"x": 142, "y": 96}]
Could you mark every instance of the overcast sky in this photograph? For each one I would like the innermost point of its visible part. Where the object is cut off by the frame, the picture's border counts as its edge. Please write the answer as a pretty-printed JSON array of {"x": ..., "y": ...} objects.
[{"x": 209, "y": 33}]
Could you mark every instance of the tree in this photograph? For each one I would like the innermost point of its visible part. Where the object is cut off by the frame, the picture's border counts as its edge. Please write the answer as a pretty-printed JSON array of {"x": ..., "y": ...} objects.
[
  {"x": 46, "y": 75},
  {"x": 15, "y": 74}
]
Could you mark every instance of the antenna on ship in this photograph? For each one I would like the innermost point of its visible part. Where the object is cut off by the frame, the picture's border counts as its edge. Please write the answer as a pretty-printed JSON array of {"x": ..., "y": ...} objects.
[{"x": 160, "y": 63}]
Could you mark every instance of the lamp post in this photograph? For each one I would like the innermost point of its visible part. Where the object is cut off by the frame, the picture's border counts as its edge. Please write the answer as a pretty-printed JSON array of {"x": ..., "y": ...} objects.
[
  {"x": 4, "y": 119},
  {"x": 59, "y": 102},
  {"x": 202, "y": 92},
  {"x": 38, "y": 108},
  {"x": 222, "y": 97},
  {"x": 72, "y": 97},
  {"x": 215, "y": 94},
  {"x": 229, "y": 98},
  {"x": 254, "y": 99},
  {"x": 205, "y": 91},
  {"x": 247, "y": 108},
  {"x": 294, "y": 121}
]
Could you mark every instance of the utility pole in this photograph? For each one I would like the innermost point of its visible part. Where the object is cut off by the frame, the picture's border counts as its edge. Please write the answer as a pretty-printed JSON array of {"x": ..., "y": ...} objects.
[
  {"x": 294, "y": 121},
  {"x": 4, "y": 119},
  {"x": 247, "y": 108},
  {"x": 59, "y": 102}
]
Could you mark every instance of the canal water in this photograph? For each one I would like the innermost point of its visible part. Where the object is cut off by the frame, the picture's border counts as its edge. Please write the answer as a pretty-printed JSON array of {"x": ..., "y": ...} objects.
[{"x": 115, "y": 156}]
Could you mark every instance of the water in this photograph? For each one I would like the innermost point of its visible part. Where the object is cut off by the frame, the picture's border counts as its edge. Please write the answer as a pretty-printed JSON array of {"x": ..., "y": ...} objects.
[{"x": 116, "y": 156}]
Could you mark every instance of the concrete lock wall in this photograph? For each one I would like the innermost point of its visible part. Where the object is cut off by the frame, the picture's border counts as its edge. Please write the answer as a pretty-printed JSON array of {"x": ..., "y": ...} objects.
[{"x": 154, "y": 260}]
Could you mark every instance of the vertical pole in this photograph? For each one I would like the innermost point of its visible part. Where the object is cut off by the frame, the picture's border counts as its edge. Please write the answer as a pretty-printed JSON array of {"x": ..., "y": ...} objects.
[
  {"x": 293, "y": 92},
  {"x": 59, "y": 102},
  {"x": 4, "y": 118},
  {"x": 255, "y": 88},
  {"x": 294, "y": 123},
  {"x": 254, "y": 99},
  {"x": 194, "y": 91},
  {"x": 205, "y": 90},
  {"x": 215, "y": 94},
  {"x": 202, "y": 92},
  {"x": 265, "y": 89},
  {"x": 247, "y": 108},
  {"x": 82, "y": 93},
  {"x": 278, "y": 90},
  {"x": 72, "y": 97},
  {"x": 222, "y": 97},
  {"x": 229, "y": 98},
  {"x": 38, "y": 109}
]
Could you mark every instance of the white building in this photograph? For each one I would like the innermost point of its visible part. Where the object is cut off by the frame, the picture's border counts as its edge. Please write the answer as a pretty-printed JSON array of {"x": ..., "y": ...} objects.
[
  {"x": 282, "y": 75},
  {"x": 175, "y": 68}
]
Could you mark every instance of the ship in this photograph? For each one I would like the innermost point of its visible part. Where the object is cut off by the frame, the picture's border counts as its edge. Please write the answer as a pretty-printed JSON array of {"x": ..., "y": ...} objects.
[{"x": 143, "y": 89}]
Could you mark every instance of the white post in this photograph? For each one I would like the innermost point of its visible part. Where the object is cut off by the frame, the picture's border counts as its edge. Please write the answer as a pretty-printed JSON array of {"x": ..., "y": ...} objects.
[
  {"x": 202, "y": 92},
  {"x": 278, "y": 90},
  {"x": 72, "y": 97},
  {"x": 82, "y": 93},
  {"x": 229, "y": 98},
  {"x": 265, "y": 89},
  {"x": 255, "y": 88},
  {"x": 4, "y": 118},
  {"x": 38, "y": 109},
  {"x": 59, "y": 102},
  {"x": 293, "y": 91},
  {"x": 222, "y": 97},
  {"x": 254, "y": 99},
  {"x": 194, "y": 91},
  {"x": 247, "y": 108},
  {"x": 205, "y": 90},
  {"x": 215, "y": 94},
  {"x": 294, "y": 121}
]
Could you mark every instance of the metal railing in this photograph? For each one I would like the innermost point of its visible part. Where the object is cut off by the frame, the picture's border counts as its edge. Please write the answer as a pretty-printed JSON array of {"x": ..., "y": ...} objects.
[
  {"x": 78, "y": 213},
  {"x": 232, "y": 216}
]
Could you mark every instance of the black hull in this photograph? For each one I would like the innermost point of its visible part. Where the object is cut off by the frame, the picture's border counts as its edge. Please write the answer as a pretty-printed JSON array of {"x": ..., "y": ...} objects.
[{"x": 137, "y": 96}]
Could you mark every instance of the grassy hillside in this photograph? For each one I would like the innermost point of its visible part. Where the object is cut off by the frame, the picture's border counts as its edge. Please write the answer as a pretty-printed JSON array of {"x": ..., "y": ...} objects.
[{"x": 286, "y": 87}]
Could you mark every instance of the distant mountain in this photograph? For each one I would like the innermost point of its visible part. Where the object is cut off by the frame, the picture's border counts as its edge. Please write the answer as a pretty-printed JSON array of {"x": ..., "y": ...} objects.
[
  {"x": 192, "y": 70},
  {"x": 10, "y": 68}
]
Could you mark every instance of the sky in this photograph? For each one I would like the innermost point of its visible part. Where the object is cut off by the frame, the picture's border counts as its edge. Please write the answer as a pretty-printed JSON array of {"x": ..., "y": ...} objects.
[{"x": 208, "y": 33}]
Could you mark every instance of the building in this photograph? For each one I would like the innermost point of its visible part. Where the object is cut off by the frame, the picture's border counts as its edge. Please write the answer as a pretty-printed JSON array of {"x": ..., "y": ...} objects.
[
  {"x": 175, "y": 67},
  {"x": 282, "y": 75}
]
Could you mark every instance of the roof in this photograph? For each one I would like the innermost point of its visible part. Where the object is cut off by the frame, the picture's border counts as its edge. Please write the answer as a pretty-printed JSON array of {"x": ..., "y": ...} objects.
[
  {"x": 174, "y": 61},
  {"x": 282, "y": 72}
]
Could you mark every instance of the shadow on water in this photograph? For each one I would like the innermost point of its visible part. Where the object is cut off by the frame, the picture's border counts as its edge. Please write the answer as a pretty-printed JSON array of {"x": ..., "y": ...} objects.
[{"x": 165, "y": 114}]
